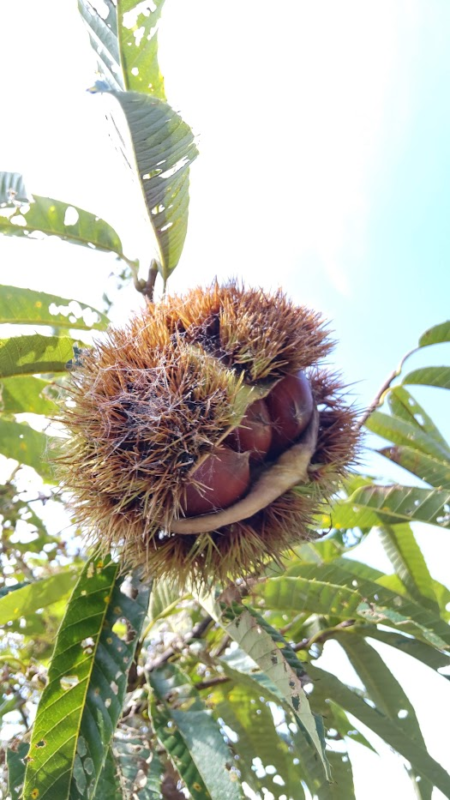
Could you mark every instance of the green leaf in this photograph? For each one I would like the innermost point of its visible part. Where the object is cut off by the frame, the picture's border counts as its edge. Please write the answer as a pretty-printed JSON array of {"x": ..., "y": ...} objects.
[
  {"x": 400, "y": 432},
  {"x": 435, "y": 335},
  {"x": 25, "y": 445},
  {"x": 25, "y": 601},
  {"x": 429, "y": 376},
  {"x": 16, "y": 768},
  {"x": 342, "y": 785},
  {"x": 199, "y": 731},
  {"x": 404, "y": 405},
  {"x": 431, "y": 470},
  {"x": 409, "y": 563},
  {"x": 27, "y": 394},
  {"x": 126, "y": 59},
  {"x": 412, "y": 647},
  {"x": 163, "y": 148},
  {"x": 12, "y": 189},
  {"x": 171, "y": 739},
  {"x": 28, "y": 355},
  {"x": 126, "y": 771},
  {"x": 331, "y": 589},
  {"x": 109, "y": 783},
  {"x": 387, "y": 729},
  {"x": 166, "y": 595},
  {"x": 252, "y": 636},
  {"x": 56, "y": 218},
  {"x": 103, "y": 37},
  {"x": 87, "y": 681},
  {"x": 27, "y": 307},
  {"x": 140, "y": 61},
  {"x": 375, "y": 505}
]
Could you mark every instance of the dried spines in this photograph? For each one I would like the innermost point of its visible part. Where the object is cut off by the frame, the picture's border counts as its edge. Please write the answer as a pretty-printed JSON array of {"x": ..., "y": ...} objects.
[
  {"x": 157, "y": 397},
  {"x": 265, "y": 336}
]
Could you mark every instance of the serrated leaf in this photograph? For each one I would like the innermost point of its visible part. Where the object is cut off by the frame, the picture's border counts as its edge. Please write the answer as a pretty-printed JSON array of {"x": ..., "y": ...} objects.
[
  {"x": 375, "y": 505},
  {"x": 28, "y": 355},
  {"x": 439, "y": 333},
  {"x": 27, "y": 307},
  {"x": 431, "y": 470},
  {"x": 87, "y": 681},
  {"x": 45, "y": 215},
  {"x": 12, "y": 188},
  {"x": 409, "y": 563},
  {"x": 25, "y": 445},
  {"x": 162, "y": 147},
  {"x": 27, "y": 394},
  {"x": 177, "y": 750},
  {"x": 16, "y": 768},
  {"x": 26, "y": 600},
  {"x": 247, "y": 631},
  {"x": 406, "y": 433},
  {"x": 429, "y": 376},
  {"x": 199, "y": 731},
  {"x": 102, "y": 31},
  {"x": 423, "y": 652},
  {"x": 325, "y": 589},
  {"x": 386, "y": 728},
  {"x": 405, "y": 406}
]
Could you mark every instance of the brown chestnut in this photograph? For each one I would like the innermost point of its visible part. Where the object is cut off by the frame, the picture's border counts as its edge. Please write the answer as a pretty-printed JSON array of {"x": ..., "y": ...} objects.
[
  {"x": 254, "y": 433},
  {"x": 218, "y": 482},
  {"x": 290, "y": 405}
]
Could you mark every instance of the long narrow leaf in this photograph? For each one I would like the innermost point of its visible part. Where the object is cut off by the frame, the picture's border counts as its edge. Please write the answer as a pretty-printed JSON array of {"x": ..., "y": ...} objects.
[
  {"x": 406, "y": 433},
  {"x": 199, "y": 731},
  {"x": 409, "y": 563},
  {"x": 139, "y": 53},
  {"x": 87, "y": 681},
  {"x": 27, "y": 307},
  {"x": 375, "y": 505},
  {"x": 434, "y": 471},
  {"x": 405, "y": 406},
  {"x": 162, "y": 148},
  {"x": 429, "y": 376},
  {"x": 102, "y": 29},
  {"x": 435, "y": 335},
  {"x": 388, "y": 730}
]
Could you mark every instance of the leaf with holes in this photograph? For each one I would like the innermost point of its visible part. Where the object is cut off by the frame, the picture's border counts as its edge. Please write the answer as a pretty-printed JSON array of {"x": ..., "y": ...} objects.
[
  {"x": 124, "y": 37},
  {"x": 252, "y": 636},
  {"x": 429, "y": 376},
  {"x": 387, "y": 729},
  {"x": 44, "y": 215},
  {"x": 436, "y": 335},
  {"x": 405, "y": 406},
  {"x": 27, "y": 307},
  {"x": 87, "y": 682},
  {"x": 24, "y": 601},
  {"x": 186, "y": 725},
  {"x": 15, "y": 759},
  {"x": 385, "y": 691},
  {"x": 27, "y": 394},
  {"x": 25, "y": 445},
  {"x": 28, "y": 355},
  {"x": 161, "y": 147}
]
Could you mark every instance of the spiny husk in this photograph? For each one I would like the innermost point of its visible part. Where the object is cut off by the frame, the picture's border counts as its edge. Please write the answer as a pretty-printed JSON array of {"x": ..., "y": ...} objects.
[{"x": 153, "y": 399}]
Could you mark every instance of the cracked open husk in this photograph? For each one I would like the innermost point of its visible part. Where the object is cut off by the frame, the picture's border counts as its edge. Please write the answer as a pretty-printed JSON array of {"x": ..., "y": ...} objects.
[{"x": 152, "y": 400}]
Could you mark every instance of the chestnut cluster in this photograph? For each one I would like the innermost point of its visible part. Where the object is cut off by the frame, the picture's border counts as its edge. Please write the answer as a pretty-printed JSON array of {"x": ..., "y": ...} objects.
[{"x": 268, "y": 428}]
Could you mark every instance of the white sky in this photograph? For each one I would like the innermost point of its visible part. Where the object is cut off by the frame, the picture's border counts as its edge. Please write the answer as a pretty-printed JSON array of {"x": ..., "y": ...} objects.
[{"x": 290, "y": 103}]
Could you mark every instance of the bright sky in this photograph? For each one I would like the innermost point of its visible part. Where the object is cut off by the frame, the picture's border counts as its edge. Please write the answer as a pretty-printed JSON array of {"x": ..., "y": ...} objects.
[{"x": 324, "y": 167}]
